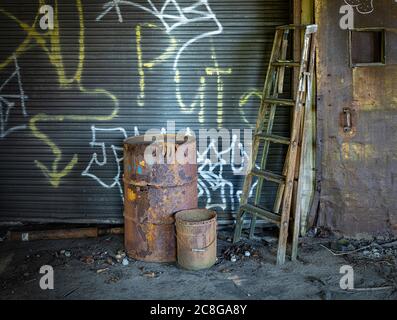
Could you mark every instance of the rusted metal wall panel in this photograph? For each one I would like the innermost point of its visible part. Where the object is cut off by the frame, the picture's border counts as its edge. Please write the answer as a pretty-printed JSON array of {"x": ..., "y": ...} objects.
[{"x": 359, "y": 169}]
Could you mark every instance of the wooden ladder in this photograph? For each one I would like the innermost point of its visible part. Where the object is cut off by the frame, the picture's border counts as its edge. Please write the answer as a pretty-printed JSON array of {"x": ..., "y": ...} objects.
[{"x": 273, "y": 88}]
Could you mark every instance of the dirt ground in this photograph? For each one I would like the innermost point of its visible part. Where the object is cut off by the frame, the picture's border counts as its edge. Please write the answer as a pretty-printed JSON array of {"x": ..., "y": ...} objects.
[{"x": 93, "y": 269}]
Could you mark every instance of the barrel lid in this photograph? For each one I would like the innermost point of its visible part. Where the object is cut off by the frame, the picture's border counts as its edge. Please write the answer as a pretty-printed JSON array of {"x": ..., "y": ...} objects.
[{"x": 145, "y": 139}]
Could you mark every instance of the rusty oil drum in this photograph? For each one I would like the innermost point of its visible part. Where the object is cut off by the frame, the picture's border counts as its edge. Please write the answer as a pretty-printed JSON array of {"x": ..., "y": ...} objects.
[
  {"x": 196, "y": 238},
  {"x": 154, "y": 191}
]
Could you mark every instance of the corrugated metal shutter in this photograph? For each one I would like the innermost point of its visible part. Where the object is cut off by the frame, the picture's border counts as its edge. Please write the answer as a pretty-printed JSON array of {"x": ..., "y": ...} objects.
[{"x": 70, "y": 96}]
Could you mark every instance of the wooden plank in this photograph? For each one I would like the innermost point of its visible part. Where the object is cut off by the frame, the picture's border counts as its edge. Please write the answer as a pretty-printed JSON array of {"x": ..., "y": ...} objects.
[
  {"x": 304, "y": 150},
  {"x": 53, "y": 234},
  {"x": 292, "y": 156}
]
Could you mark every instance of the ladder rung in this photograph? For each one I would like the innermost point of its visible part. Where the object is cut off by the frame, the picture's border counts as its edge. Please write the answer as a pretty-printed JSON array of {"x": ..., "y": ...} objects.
[
  {"x": 261, "y": 213},
  {"x": 274, "y": 138},
  {"x": 281, "y": 102},
  {"x": 286, "y": 63},
  {"x": 292, "y": 26},
  {"x": 267, "y": 175},
  {"x": 310, "y": 28}
]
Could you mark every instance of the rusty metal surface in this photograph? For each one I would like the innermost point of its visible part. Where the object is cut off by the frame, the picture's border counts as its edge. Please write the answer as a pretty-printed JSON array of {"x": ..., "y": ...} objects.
[
  {"x": 196, "y": 238},
  {"x": 152, "y": 195},
  {"x": 359, "y": 169}
]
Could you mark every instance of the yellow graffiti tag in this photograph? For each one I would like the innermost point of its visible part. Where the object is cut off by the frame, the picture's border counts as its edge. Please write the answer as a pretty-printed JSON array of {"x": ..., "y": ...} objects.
[
  {"x": 215, "y": 70},
  {"x": 218, "y": 72},
  {"x": 51, "y": 45},
  {"x": 149, "y": 65},
  {"x": 199, "y": 99},
  {"x": 244, "y": 100}
]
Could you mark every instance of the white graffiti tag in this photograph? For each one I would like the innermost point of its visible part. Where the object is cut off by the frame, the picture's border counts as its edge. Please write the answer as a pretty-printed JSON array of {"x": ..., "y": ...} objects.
[
  {"x": 211, "y": 178},
  {"x": 115, "y": 181},
  {"x": 6, "y": 103},
  {"x": 200, "y": 11},
  {"x": 362, "y": 6},
  {"x": 211, "y": 174}
]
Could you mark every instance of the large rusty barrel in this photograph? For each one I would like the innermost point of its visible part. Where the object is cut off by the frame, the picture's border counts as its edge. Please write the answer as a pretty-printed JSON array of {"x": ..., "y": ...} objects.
[{"x": 160, "y": 178}]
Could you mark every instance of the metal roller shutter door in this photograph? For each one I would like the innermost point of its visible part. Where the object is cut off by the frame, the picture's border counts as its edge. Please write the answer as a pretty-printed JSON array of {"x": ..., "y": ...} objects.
[{"x": 109, "y": 69}]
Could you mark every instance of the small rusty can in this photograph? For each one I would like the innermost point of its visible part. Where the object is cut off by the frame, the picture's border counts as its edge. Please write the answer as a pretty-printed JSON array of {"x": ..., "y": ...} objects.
[
  {"x": 196, "y": 238},
  {"x": 160, "y": 178}
]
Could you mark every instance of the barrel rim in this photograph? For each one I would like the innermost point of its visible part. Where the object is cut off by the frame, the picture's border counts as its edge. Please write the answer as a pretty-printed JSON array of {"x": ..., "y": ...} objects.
[
  {"x": 180, "y": 221},
  {"x": 140, "y": 140}
]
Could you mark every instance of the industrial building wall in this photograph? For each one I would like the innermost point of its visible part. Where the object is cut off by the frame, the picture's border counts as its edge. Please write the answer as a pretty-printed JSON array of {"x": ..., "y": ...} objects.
[
  {"x": 112, "y": 69},
  {"x": 359, "y": 167}
]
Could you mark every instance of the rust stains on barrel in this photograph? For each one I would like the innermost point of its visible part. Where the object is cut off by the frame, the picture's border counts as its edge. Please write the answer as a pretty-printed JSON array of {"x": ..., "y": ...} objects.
[{"x": 160, "y": 178}]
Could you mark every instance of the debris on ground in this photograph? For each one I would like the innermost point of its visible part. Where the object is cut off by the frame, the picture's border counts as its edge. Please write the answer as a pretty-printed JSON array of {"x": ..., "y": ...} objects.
[
  {"x": 368, "y": 249},
  {"x": 151, "y": 274},
  {"x": 319, "y": 232},
  {"x": 375, "y": 270},
  {"x": 65, "y": 253},
  {"x": 239, "y": 251},
  {"x": 112, "y": 279},
  {"x": 110, "y": 261},
  {"x": 88, "y": 259},
  {"x": 125, "y": 262},
  {"x": 120, "y": 255},
  {"x": 379, "y": 254},
  {"x": 102, "y": 270}
]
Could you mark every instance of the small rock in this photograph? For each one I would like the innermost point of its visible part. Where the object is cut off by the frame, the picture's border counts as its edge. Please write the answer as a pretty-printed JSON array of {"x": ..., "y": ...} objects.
[
  {"x": 149, "y": 274},
  {"x": 67, "y": 254},
  {"x": 62, "y": 252},
  {"x": 247, "y": 253},
  {"x": 120, "y": 255},
  {"x": 229, "y": 239},
  {"x": 125, "y": 262},
  {"x": 233, "y": 258},
  {"x": 112, "y": 279},
  {"x": 88, "y": 260},
  {"x": 102, "y": 270}
]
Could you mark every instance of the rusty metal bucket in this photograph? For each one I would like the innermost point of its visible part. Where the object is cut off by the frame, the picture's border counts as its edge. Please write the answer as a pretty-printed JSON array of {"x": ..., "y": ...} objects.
[
  {"x": 153, "y": 192},
  {"x": 196, "y": 238}
]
